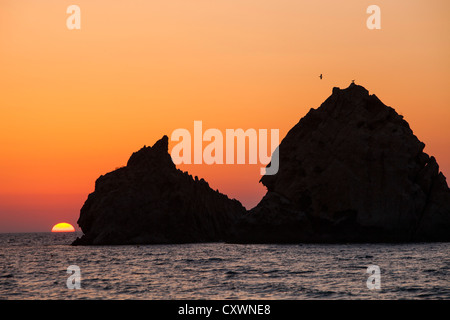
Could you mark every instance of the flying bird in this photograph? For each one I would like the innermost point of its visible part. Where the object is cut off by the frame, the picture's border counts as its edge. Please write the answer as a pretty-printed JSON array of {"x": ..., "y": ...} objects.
[{"x": 320, "y": 76}]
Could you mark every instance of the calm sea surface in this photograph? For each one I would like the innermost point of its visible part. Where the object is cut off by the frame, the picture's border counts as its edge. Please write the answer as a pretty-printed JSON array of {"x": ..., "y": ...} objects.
[{"x": 34, "y": 266}]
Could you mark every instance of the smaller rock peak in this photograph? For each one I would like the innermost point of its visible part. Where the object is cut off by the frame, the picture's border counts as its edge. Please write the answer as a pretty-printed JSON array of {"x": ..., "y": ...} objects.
[
  {"x": 353, "y": 90},
  {"x": 162, "y": 144},
  {"x": 146, "y": 155},
  {"x": 357, "y": 88}
]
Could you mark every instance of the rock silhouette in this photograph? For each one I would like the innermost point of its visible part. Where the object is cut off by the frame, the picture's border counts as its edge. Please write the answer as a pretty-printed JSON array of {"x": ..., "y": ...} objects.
[
  {"x": 151, "y": 201},
  {"x": 350, "y": 171}
]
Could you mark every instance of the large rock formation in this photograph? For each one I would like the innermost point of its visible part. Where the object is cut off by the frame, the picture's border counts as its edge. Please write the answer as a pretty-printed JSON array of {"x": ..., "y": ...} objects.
[
  {"x": 151, "y": 201},
  {"x": 351, "y": 170}
]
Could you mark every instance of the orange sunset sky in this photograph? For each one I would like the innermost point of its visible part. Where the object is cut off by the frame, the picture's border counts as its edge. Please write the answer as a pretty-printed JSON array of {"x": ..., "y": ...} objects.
[{"x": 76, "y": 104}]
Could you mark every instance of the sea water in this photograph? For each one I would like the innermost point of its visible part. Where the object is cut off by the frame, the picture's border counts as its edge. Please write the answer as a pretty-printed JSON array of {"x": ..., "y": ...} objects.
[{"x": 35, "y": 266}]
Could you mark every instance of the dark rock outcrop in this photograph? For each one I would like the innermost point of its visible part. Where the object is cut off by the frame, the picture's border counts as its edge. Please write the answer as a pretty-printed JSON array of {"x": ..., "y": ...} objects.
[
  {"x": 351, "y": 171},
  {"x": 151, "y": 201}
]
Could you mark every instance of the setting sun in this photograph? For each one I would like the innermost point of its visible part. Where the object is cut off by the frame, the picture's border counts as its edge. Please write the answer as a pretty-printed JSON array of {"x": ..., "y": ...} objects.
[{"x": 63, "y": 227}]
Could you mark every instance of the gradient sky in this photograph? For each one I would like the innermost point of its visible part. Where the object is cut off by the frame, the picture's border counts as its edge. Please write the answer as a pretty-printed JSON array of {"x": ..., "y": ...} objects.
[{"x": 76, "y": 104}]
